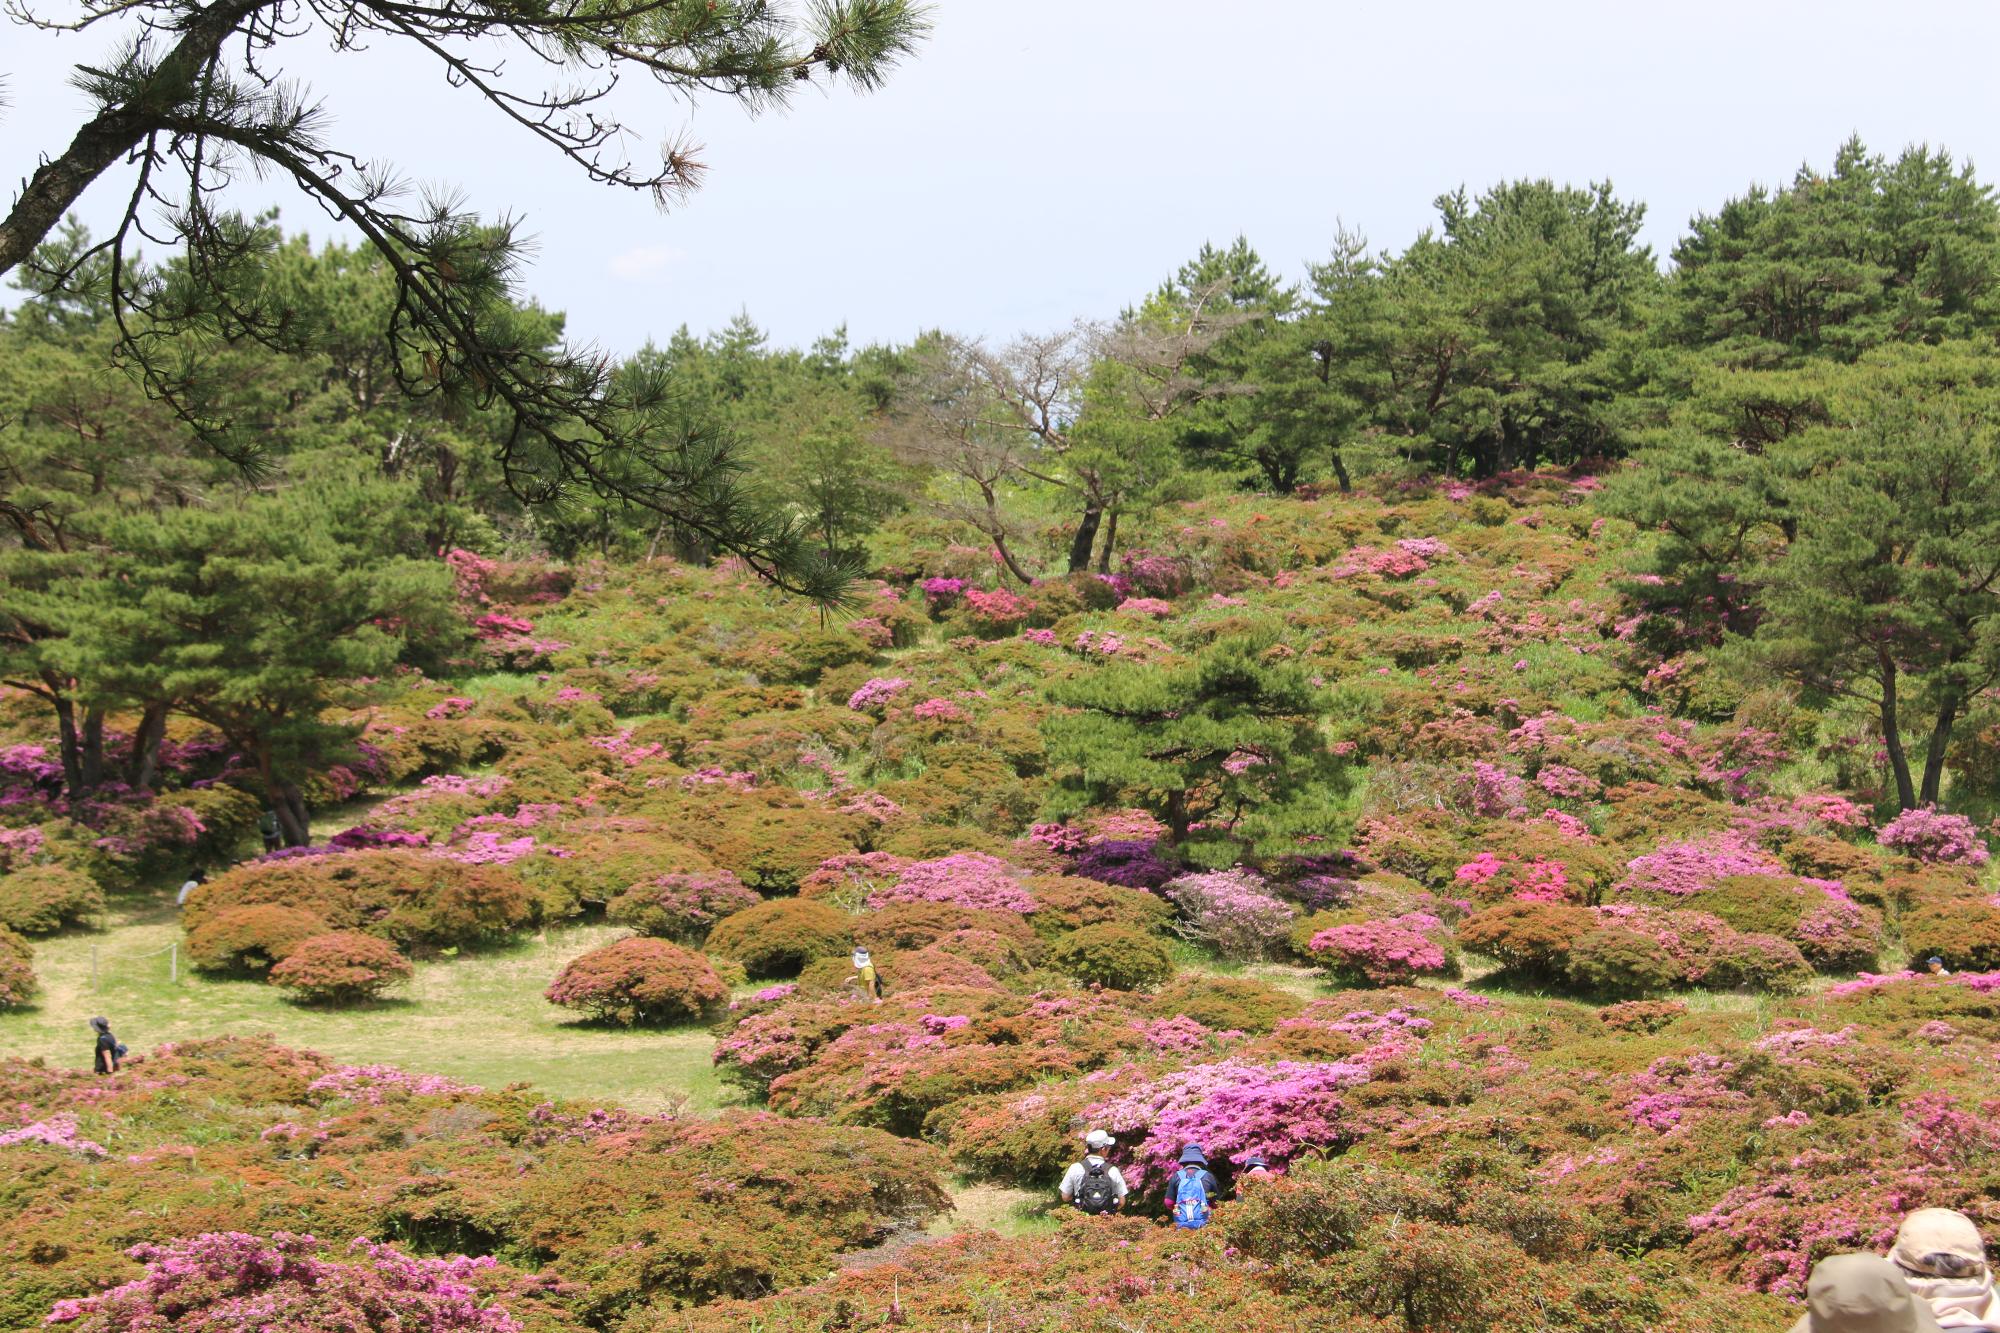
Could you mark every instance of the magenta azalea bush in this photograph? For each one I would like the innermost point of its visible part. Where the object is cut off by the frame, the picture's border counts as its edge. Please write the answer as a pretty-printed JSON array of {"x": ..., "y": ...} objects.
[
  {"x": 227, "y": 1282},
  {"x": 1381, "y": 953},
  {"x": 1934, "y": 838}
]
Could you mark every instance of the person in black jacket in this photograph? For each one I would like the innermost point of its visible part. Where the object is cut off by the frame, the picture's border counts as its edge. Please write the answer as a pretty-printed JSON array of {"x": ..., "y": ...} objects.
[{"x": 109, "y": 1053}]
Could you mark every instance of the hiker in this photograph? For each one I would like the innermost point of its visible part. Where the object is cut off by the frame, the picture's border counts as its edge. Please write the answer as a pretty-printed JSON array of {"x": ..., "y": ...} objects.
[
  {"x": 1190, "y": 1189},
  {"x": 1943, "y": 1258},
  {"x": 1093, "y": 1185},
  {"x": 1935, "y": 966},
  {"x": 1859, "y": 1293},
  {"x": 194, "y": 881},
  {"x": 267, "y": 824},
  {"x": 1254, "y": 1167},
  {"x": 110, "y": 1052},
  {"x": 864, "y": 974}
]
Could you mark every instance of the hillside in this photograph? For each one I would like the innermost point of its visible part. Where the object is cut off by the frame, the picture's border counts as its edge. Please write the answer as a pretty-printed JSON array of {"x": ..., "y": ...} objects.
[{"x": 1554, "y": 954}]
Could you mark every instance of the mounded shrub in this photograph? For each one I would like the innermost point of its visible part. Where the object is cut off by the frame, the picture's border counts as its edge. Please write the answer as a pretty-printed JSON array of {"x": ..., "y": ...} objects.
[
  {"x": 344, "y": 967},
  {"x": 17, "y": 970},
  {"x": 1113, "y": 956},
  {"x": 1379, "y": 953},
  {"x": 1227, "y": 1003},
  {"x": 604, "y": 859},
  {"x": 418, "y": 900},
  {"x": 640, "y": 981},
  {"x": 1064, "y": 903},
  {"x": 1966, "y": 934},
  {"x": 915, "y": 925},
  {"x": 1616, "y": 963},
  {"x": 1755, "y": 962},
  {"x": 1532, "y": 941},
  {"x": 40, "y": 900},
  {"x": 778, "y": 938},
  {"x": 250, "y": 939},
  {"x": 681, "y": 907}
]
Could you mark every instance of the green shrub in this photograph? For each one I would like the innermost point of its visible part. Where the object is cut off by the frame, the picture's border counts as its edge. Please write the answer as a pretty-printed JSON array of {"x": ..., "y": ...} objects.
[
  {"x": 1066, "y": 902},
  {"x": 777, "y": 939},
  {"x": 250, "y": 939},
  {"x": 1755, "y": 962},
  {"x": 1617, "y": 964},
  {"x": 1227, "y": 1003},
  {"x": 40, "y": 900},
  {"x": 1966, "y": 934},
  {"x": 640, "y": 981},
  {"x": 17, "y": 971},
  {"x": 1114, "y": 956},
  {"x": 344, "y": 967},
  {"x": 603, "y": 859}
]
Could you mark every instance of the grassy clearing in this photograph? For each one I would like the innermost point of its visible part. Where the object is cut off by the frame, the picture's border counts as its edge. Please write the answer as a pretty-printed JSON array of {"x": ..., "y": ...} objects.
[
  {"x": 1011, "y": 1212},
  {"x": 478, "y": 1018}
]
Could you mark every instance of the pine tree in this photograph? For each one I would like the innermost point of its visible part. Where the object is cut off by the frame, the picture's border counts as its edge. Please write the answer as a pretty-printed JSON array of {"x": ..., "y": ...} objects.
[{"x": 1225, "y": 749}]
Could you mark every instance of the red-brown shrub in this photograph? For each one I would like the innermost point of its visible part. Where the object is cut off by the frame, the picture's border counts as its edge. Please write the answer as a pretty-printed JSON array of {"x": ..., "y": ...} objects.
[
  {"x": 17, "y": 971},
  {"x": 250, "y": 939},
  {"x": 639, "y": 981},
  {"x": 340, "y": 968}
]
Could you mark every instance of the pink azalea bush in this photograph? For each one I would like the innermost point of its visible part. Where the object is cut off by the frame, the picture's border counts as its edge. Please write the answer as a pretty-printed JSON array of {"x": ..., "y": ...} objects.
[
  {"x": 229, "y": 1282},
  {"x": 1934, "y": 838},
  {"x": 976, "y": 880},
  {"x": 877, "y": 693},
  {"x": 1381, "y": 953},
  {"x": 1230, "y": 910},
  {"x": 1233, "y": 1109}
]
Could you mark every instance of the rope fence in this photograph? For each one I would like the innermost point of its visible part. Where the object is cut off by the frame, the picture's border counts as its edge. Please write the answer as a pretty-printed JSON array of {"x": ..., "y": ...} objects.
[{"x": 173, "y": 956}]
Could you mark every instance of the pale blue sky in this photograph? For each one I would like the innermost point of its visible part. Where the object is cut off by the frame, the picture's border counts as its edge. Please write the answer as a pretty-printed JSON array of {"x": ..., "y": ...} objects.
[{"x": 1044, "y": 159}]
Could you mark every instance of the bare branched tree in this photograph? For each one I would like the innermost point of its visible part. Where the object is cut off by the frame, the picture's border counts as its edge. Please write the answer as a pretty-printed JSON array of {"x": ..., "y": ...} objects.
[{"x": 195, "y": 93}]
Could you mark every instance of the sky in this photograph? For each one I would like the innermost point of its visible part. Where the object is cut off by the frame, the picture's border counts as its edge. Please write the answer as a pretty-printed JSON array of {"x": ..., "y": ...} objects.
[{"x": 1041, "y": 160}]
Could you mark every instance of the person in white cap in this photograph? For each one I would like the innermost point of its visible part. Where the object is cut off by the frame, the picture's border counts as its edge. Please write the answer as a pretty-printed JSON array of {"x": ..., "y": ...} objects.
[
  {"x": 1860, "y": 1293},
  {"x": 1094, "y": 1185},
  {"x": 865, "y": 976},
  {"x": 1943, "y": 1258}
]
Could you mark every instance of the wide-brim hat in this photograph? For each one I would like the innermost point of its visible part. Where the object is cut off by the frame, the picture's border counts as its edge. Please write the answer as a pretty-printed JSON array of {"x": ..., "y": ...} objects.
[
  {"x": 1192, "y": 1155},
  {"x": 1860, "y": 1293}
]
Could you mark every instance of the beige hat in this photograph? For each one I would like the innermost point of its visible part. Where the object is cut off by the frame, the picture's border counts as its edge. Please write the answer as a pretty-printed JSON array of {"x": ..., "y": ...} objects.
[
  {"x": 1931, "y": 1232},
  {"x": 1859, "y": 1293}
]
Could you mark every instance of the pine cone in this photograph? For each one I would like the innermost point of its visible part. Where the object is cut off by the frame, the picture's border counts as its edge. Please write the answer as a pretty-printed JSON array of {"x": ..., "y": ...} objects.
[
  {"x": 802, "y": 72},
  {"x": 818, "y": 53}
]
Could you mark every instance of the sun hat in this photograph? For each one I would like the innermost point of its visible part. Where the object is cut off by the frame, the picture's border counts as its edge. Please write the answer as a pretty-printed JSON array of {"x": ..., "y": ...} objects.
[
  {"x": 1255, "y": 1159},
  {"x": 1859, "y": 1293},
  {"x": 1097, "y": 1138},
  {"x": 1192, "y": 1154}
]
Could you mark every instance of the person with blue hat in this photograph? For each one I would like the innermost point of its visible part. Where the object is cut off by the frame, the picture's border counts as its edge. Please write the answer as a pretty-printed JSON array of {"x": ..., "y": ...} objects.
[
  {"x": 1935, "y": 966},
  {"x": 1191, "y": 1188}
]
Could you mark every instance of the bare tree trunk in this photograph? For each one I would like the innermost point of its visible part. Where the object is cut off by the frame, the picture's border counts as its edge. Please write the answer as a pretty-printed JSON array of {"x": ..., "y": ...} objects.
[
  {"x": 90, "y": 750},
  {"x": 72, "y": 749},
  {"x": 1892, "y": 736},
  {"x": 1110, "y": 541},
  {"x": 1940, "y": 741},
  {"x": 1340, "y": 472},
  {"x": 1007, "y": 558},
  {"x": 1085, "y": 538},
  {"x": 144, "y": 763}
]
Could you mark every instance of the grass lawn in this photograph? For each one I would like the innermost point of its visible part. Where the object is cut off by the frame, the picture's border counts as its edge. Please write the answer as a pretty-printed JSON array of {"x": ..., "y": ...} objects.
[{"x": 479, "y": 1018}]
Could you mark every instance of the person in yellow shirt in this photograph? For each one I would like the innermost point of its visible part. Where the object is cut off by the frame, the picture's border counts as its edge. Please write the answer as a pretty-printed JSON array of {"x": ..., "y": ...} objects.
[{"x": 864, "y": 976}]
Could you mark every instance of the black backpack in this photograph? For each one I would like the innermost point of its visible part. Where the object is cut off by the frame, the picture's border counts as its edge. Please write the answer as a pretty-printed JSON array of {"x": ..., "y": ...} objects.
[{"x": 1095, "y": 1194}]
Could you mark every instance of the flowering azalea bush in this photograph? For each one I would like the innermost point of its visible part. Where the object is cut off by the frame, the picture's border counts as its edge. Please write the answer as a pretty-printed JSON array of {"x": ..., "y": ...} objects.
[
  {"x": 1228, "y": 909},
  {"x": 230, "y": 1280},
  {"x": 1381, "y": 953},
  {"x": 973, "y": 880},
  {"x": 681, "y": 907},
  {"x": 1930, "y": 836}
]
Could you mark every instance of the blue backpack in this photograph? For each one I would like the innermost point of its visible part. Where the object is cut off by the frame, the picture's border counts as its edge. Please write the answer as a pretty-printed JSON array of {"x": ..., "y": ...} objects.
[{"x": 1190, "y": 1199}]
